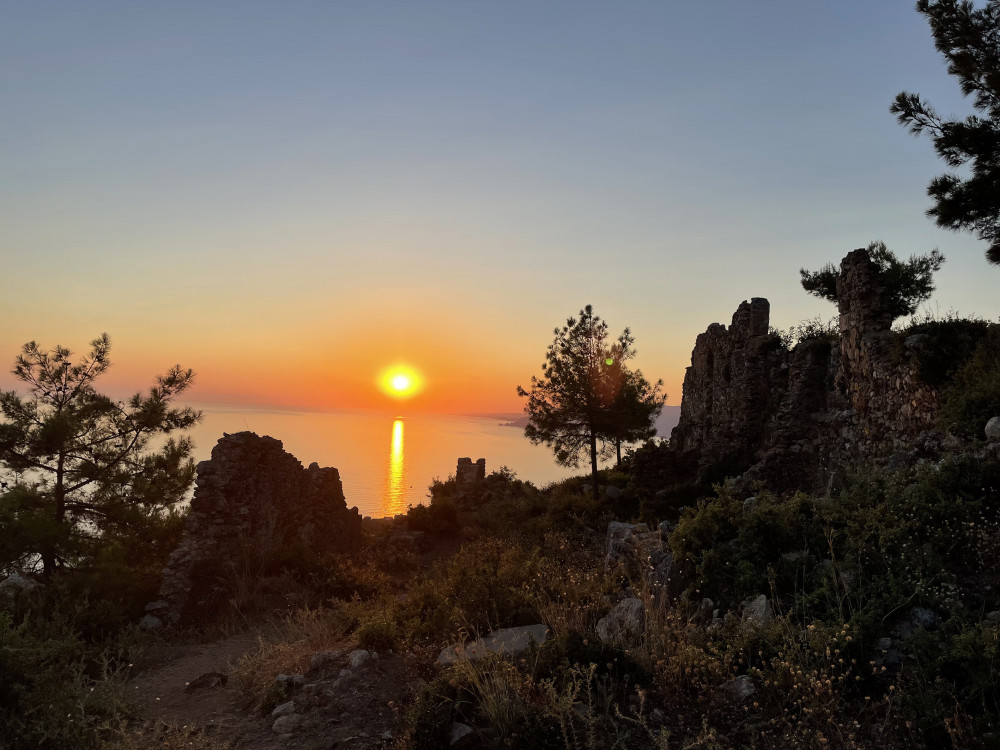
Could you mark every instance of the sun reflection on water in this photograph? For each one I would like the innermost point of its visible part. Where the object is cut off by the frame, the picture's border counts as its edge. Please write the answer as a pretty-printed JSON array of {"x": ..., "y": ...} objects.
[{"x": 394, "y": 496}]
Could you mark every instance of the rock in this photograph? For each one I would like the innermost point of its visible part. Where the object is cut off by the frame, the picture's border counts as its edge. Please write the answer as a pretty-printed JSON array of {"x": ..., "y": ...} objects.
[
  {"x": 284, "y": 709},
  {"x": 150, "y": 622},
  {"x": 461, "y": 735},
  {"x": 993, "y": 428},
  {"x": 613, "y": 493},
  {"x": 885, "y": 643},
  {"x": 14, "y": 584},
  {"x": 156, "y": 606},
  {"x": 511, "y": 641},
  {"x": 208, "y": 680},
  {"x": 324, "y": 658},
  {"x": 740, "y": 688},
  {"x": 924, "y": 618},
  {"x": 288, "y": 723},
  {"x": 623, "y": 624},
  {"x": 758, "y": 611},
  {"x": 917, "y": 618},
  {"x": 357, "y": 659},
  {"x": 291, "y": 681}
]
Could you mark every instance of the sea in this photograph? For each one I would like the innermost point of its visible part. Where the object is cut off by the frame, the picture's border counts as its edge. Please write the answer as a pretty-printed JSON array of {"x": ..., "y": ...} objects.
[{"x": 386, "y": 462}]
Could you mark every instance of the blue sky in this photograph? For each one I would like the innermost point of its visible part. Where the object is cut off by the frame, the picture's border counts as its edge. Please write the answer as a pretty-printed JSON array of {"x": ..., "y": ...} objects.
[{"x": 284, "y": 187}]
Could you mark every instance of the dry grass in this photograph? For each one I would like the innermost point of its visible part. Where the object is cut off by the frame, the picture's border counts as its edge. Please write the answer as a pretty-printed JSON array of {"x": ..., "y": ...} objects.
[{"x": 302, "y": 634}]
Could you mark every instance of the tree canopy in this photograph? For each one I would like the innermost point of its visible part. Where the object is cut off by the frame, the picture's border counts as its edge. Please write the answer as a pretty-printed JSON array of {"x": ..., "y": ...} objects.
[
  {"x": 906, "y": 284},
  {"x": 969, "y": 39},
  {"x": 586, "y": 396},
  {"x": 78, "y": 467}
]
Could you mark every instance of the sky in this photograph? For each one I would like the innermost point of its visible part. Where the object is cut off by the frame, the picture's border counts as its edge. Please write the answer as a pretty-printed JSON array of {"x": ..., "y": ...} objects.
[{"x": 290, "y": 197}]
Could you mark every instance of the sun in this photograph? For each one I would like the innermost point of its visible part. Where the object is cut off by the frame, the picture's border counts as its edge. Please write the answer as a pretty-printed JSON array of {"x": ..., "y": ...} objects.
[{"x": 400, "y": 381}]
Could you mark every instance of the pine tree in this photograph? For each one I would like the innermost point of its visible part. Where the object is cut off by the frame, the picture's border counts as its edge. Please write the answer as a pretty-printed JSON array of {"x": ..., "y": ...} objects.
[
  {"x": 969, "y": 39},
  {"x": 581, "y": 403},
  {"x": 78, "y": 467}
]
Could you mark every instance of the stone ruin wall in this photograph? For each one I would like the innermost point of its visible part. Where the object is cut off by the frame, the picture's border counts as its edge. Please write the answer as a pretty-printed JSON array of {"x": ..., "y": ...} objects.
[
  {"x": 252, "y": 497},
  {"x": 467, "y": 472},
  {"x": 794, "y": 416},
  {"x": 891, "y": 405}
]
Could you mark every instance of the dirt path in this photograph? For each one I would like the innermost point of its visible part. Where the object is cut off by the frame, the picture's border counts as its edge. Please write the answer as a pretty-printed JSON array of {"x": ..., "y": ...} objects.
[{"x": 189, "y": 692}]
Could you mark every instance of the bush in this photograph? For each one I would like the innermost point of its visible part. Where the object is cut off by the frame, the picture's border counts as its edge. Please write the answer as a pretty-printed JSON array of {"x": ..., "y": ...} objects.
[
  {"x": 59, "y": 691},
  {"x": 972, "y": 396},
  {"x": 941, "y": 347}
]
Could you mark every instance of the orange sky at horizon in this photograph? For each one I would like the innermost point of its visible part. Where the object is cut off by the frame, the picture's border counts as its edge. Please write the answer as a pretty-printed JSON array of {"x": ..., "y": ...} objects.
[{"x": 463, "y": 371}]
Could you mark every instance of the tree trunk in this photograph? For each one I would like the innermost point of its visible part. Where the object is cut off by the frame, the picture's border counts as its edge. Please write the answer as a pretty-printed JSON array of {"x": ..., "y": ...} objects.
[
  {"x": 59, "y": 492},
  {"x": 593, "y": 465},
  {"x": 618, "y": 448}
]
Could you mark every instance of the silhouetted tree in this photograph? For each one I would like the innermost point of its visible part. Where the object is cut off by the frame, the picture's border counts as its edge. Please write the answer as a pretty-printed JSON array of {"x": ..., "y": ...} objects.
[
  {"x": 969, "y": 39},
  {"x": 77, "y": 466},
  {"x": 906, "y": 284},
  {"x": 632, "y": 414},
  {"x": 572, "y": 406}
]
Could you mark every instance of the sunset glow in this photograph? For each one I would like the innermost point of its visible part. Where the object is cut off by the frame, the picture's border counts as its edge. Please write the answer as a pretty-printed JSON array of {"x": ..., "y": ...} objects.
[{"x": 400, "y": 381}]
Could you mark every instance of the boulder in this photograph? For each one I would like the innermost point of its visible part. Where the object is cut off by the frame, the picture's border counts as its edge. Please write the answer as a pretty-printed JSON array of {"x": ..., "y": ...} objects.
[
  {"x": 511, "y": 641},
  {"x": 461, "y": 735},
  {"x": 740, "y": 688},
  {"x": 993, "y": 428},
  {"x": 322, "y": 659},
  {"x": 623, "y": 624},
  {"x": 288, "y": 723},
  {"x": 284, "y": 709},
  {"x": 14, "y": 584},
  {"x": 357, "y": 659},
  {"x": 758, "y": 611}
]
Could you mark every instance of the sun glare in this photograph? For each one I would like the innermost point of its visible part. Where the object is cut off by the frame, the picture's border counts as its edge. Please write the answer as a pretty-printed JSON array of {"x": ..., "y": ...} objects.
[{"x": 400, "y": 381}]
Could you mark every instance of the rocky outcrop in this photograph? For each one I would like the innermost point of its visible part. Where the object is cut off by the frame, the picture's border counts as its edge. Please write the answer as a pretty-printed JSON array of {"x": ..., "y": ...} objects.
[
  {"x": 252, "y": 499},
  {"x": 754, "y": 409}
]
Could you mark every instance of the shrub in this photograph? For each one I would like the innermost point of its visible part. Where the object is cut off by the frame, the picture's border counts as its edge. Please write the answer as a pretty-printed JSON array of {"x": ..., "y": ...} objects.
[{"x": 973, "y": 395}]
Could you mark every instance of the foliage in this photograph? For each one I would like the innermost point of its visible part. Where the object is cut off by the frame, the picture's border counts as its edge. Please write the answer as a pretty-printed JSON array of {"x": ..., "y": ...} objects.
[
  {"x": 83, "y": 476},
  {"x": 586, "y": 395},
  {"x": 905, "y": 285},
  {"x": 967, "y": 37},
  {"x": 972, "y": 396},
  {"x": 940, "y": 347},
  {"x": 630, "y": 417},
  {"x": 56, "y": 689}
]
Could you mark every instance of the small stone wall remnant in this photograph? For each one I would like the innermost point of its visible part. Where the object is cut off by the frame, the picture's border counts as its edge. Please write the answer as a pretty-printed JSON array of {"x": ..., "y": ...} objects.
[
  {"x": 252, "y": 497},
  {"x": 469, "y": 473}
]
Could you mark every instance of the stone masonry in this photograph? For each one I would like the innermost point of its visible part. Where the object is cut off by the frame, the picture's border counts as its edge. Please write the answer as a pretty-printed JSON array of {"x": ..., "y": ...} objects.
[
  {"x": 252, "y": 498},
  {"x": 469, "y": 473},
  {"x": 786, "y": 418}
]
